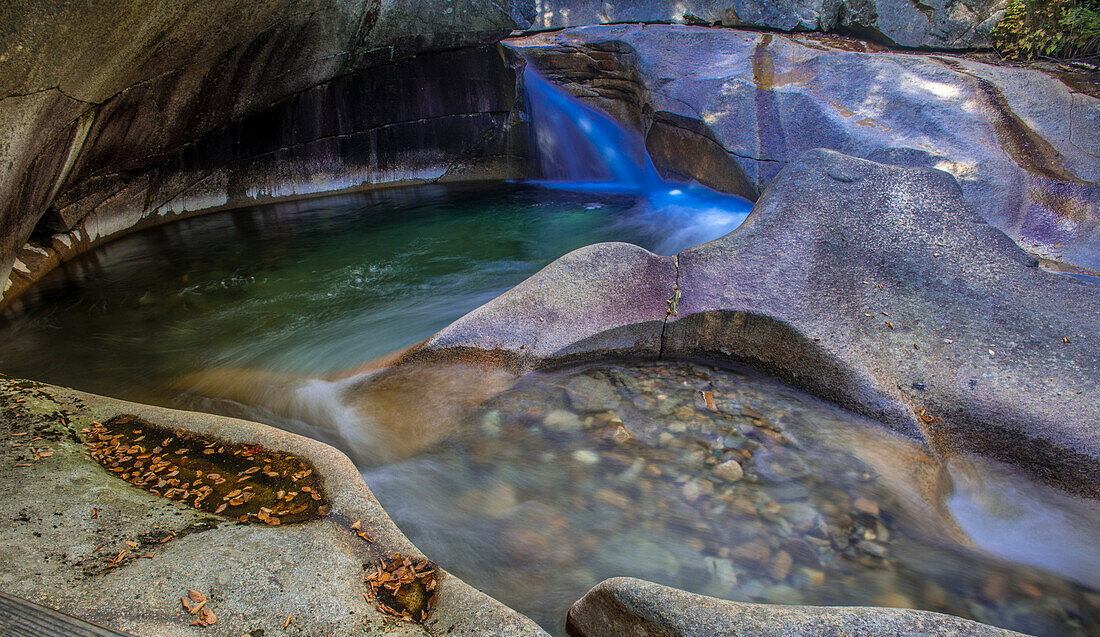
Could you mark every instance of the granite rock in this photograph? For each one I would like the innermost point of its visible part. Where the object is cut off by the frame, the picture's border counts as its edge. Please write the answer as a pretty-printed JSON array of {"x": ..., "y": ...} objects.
[
  {"x": 627, "y": 606},
  {"x": 1019, "y": 139}
]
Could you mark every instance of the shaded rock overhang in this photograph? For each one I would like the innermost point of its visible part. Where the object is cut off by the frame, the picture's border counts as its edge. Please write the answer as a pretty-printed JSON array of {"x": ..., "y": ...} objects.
[{"x": 117, "y": 116}]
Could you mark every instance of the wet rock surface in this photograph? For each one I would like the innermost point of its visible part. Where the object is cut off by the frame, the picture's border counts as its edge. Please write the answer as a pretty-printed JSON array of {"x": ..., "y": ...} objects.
[
  {"x": 624, "y": 606},
  {"x": 1020, "y": 140},
  {"x": 823, "y": 507}
]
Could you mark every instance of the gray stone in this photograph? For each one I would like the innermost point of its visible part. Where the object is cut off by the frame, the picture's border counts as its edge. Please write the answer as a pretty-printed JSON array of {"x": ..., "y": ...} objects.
[
  {"x": 608, "y": 297},
  {"x": 562, "y": 420},
  {"x": 629, "y": 607},
  {"x": 588, "y": 394},
  {"x": 873, "y": 286},
  {"x": 1018, "y": 139},
  {"x": 65, "y": 518},
  {"x": 938, "y": 24},
  {"x": 850, "y": 286}
]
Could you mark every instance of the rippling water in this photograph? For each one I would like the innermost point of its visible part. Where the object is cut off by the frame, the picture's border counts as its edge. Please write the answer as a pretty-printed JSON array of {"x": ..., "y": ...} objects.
[{"x": 308, "y": 287}]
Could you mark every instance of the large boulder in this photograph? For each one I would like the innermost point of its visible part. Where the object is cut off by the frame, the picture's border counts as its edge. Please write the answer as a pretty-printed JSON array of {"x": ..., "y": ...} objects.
[
  {"x": 626, "y": 606},
  {"x": 124, "y": 114},
  {"x": 873, "y": 286},
  {"x": 1019, "y": 140},
  {"x": 601, "y": 300},
  {"x": 879, "y": 288},
  {"x": 78, "y": 538},
  {"x": 937, "y": 24}
]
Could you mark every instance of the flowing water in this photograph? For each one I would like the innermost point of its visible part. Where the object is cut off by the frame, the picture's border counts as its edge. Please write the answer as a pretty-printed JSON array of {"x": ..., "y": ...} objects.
[
  {"x": 719, "y": 481},
  {"x": 305, "y": 287},
  {"x": 581, "y": 149},
  {"x": 755, "y": 492}
]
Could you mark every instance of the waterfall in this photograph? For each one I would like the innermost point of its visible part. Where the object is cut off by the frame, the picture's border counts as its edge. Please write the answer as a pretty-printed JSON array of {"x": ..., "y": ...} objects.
[
  {"x": 581, "y": 149},
  {"x": 580, "y": 146}
]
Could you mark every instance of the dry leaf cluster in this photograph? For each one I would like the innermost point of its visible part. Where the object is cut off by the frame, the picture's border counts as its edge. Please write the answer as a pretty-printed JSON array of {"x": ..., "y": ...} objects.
[
  {"x": 196, "y": 604},
  {"x": 249, "y": 483},
  {"x": 404, "y": 588}
]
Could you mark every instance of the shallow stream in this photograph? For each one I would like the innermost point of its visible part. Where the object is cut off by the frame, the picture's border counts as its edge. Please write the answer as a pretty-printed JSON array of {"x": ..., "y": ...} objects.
[{"x": 719, "y": 481}]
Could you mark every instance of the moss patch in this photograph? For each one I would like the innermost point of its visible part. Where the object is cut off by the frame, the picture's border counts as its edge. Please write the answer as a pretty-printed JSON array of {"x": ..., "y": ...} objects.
[{"x": 249, "y": 483}]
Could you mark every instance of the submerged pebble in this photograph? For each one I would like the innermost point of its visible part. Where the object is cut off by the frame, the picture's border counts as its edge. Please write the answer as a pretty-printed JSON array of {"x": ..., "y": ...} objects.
[{"x": 772, "y": 496}]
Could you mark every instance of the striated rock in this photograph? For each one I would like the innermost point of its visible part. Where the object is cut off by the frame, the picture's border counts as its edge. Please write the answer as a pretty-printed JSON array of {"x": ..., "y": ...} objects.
[
  {"x": 131, "y": 113},
  {"x": 938, "y": 24},
  {"x": 626, "y": 606},
  {"x": 1019, "y": 140}
]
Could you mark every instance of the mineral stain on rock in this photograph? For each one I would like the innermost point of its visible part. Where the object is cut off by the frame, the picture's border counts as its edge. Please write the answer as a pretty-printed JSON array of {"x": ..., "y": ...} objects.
[
  {"x": 249, "y": 483},
  {"x": 1026, "y": 147}
]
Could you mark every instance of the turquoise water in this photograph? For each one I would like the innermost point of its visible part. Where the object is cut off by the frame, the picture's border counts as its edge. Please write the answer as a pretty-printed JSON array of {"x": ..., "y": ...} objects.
[{"x": 307, "y": 287}]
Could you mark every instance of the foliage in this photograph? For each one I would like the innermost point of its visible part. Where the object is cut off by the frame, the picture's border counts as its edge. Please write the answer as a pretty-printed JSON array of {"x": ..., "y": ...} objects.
[{"x": 1049, "y": 28}]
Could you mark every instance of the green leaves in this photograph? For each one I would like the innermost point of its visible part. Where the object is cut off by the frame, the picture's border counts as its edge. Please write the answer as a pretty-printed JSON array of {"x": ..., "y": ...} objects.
[{"x": 1049, "y": 28}]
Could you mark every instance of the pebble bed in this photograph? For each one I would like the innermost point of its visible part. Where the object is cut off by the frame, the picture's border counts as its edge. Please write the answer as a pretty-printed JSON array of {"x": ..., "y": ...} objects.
[{"x": 720, "y": 482}]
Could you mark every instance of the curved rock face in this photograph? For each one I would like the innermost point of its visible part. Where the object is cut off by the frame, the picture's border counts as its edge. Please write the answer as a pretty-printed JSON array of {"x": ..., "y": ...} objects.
[
  {"x": 626, "y": 606},
  {"x": 1021, "y": 142},
  {"x": 111, "y": 115},
  {"x": 889, "y": 272},
  {"x": 937, "y": 24},
  {"x": 119, "y": 556},
  {"x": 873, "y": 286}
]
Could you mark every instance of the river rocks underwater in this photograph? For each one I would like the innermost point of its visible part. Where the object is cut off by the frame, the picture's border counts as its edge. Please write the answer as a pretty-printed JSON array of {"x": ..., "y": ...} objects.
[{"x": 722, "y": 482}]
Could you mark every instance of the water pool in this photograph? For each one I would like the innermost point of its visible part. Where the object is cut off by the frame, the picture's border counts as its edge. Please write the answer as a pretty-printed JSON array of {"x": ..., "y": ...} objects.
[
  {"x": 755, "y": 492},
  {"x": 308, "y": 287},
  {"x": 759, "y": 493}
]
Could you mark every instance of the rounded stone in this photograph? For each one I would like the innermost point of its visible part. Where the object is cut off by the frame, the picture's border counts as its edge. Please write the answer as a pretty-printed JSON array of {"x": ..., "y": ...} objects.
[
  {"x": 562, "y": 420},
  {"x": 730, "y": 470}
]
